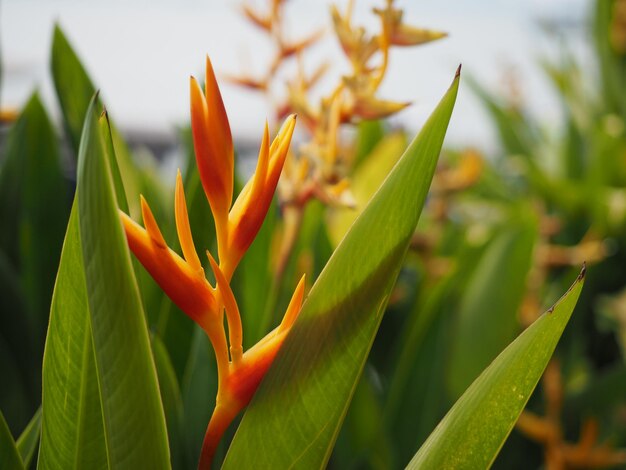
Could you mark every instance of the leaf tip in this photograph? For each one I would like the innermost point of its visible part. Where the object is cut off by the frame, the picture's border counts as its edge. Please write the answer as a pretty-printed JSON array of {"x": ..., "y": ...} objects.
[
  {"x": 583, "y": 272},
  {"x": 579, "y": 279},
  {"x": 458, "y": 71}
]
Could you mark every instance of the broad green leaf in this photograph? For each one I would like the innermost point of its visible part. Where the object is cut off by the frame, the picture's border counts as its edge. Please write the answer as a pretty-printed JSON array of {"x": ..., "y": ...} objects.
[
  {"x": 28, "y": 440},
  {"x": 132, "y": 411},
  {"x": 489, "y": 305},
  {"x": 73, "y": 86},
  {"x": 34, "y": 206},
  {"x": 72, "y": 434},
  {"x": 74, "y": 90},
  {"x": 9, "y": 456},
  {"x": 365, "y": 182},
  {"x": 473, "y": 431},
  {"x": 295, "y": 416}
]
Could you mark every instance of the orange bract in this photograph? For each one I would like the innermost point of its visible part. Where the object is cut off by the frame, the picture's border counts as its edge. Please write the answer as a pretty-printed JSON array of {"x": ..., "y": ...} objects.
[
  {"x": 213, "y": 144},
  {"x": 250, "y": 208},
  {"x": 187, "y": 287}
]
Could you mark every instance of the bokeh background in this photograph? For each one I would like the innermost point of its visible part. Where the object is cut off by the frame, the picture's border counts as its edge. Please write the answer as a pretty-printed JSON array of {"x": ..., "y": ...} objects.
[{"x": 142, "y": 52}]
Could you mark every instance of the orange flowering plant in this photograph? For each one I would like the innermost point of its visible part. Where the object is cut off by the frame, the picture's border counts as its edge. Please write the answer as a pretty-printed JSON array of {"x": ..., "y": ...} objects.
[
  {"x": 183, "y": 279},
  {"x": 114, "y": 392}
]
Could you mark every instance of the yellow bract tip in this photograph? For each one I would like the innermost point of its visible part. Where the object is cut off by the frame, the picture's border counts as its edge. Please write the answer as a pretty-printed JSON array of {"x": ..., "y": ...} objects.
[
  {"x": 182, "y": 226},
  {"x": 151, "y": 225},
  {"x": 294, "y": 306},
  {"x": 262, "y": 164}
]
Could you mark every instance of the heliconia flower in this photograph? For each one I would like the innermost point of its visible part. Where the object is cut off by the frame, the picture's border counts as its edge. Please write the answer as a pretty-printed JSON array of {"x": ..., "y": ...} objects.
[
  {"x": 236, "y": 227},
  {"x": 183, "y": 278}
]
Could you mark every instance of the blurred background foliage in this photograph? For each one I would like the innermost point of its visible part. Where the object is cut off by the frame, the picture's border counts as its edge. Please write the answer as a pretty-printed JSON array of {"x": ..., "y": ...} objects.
[{"x": 501, "y": 236}]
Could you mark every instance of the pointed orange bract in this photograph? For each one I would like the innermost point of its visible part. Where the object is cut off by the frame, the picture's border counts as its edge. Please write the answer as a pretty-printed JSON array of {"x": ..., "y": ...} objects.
[
  {"x": 182, "y": 226},
  {"x": 250, "y": 208},
  {"x": 213, "y": 144},
  {"x": 187, "y": 288}
]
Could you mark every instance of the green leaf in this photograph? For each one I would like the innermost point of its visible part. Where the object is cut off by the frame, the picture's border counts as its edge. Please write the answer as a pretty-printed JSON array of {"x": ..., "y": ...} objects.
[
  {"x": 132, "y": 411},
  {"x": 34, "y": 207},
  {"x": 73, "y": 86},
  {"x": 366, "y": 180},
  {"x": 9, "y": 456},
  {"x": 295, "y": 416},
  {"x": 473, "y": 431},
  {"x": 74, "y": 90},
  {"x": 73, "y": 430},
  {"x": 27, "y": 442},
  {"x": 489, "y": 305},
  {"x": 72, "y": 434}
]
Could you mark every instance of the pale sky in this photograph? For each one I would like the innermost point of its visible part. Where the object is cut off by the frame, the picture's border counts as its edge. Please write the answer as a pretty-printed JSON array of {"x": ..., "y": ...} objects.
[{"x": 141, "y": 53}]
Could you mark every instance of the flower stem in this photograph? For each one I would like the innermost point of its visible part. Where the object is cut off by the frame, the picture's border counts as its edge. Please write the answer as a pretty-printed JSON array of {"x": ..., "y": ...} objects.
[{"x": 223, "y": 415}]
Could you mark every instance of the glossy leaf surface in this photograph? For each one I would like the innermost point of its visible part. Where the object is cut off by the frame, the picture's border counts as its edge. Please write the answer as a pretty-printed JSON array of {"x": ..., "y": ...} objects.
[
  {"x": 132, "y": 411},
  {"x": 473, "y": 431},
  {"x": 309, "y": 387}
]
